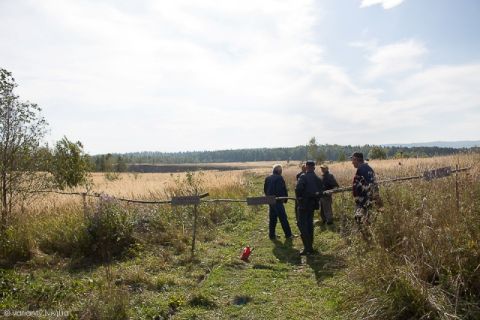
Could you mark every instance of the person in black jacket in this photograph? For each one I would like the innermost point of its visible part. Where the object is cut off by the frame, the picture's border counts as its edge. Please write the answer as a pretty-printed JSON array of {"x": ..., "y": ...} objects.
[
  {"x": 365, "y": 188},
  {"x": 304, "y": 169},
  {"x": 275, "y": 186},
  {"x": 329, "y": 183},
  {"x": 308, "y": 191}
]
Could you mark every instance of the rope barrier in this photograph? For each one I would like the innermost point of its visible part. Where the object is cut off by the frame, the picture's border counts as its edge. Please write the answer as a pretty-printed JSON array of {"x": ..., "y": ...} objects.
[{"x": 328, "y": 192}]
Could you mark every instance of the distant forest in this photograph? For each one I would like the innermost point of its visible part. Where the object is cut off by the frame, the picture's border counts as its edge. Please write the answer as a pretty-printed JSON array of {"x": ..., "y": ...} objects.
[{"x": 121, "y": 162}]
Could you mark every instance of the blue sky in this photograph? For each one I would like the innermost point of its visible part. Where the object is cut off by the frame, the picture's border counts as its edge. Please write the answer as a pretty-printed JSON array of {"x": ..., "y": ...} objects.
[{"x": 183, "y": 75}]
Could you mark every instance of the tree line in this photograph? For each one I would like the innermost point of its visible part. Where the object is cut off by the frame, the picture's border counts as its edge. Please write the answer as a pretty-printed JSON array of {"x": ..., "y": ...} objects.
[{"x": 324, "y": 152}]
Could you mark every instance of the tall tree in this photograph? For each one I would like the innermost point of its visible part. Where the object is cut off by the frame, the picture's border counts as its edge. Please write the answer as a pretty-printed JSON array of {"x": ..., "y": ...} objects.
[
  {"x": 70, "y": 165},
  {"x": 377, "y": 152},
  {"x": 312, "y": 148},
  {"x": 22, "y": 129}
]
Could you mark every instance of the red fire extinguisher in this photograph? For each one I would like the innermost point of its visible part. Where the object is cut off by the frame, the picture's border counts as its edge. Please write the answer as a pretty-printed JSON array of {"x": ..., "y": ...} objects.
[{"x": 246, "y": 253}]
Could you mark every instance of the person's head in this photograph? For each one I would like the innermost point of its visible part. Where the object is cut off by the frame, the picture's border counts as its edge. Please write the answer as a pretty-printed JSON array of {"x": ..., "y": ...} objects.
[
  {"x": 310, "y": 166},
  {"x": 277, "y": 169},
  {"x": 324, "y": 168},
  {"x": 357, "y": 159},
  {"x": 304, "y": 167}
]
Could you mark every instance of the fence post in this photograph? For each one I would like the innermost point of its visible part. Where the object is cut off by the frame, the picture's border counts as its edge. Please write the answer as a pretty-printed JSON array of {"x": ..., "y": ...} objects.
[
  {"x": 457, "y": 195},
  {"x": 84, "y": 198},
  {"x": 195, "y": 214}
]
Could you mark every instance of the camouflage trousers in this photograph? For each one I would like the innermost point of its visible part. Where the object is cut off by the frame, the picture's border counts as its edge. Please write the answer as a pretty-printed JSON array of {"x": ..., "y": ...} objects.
[{"x": 362, "y": 215}]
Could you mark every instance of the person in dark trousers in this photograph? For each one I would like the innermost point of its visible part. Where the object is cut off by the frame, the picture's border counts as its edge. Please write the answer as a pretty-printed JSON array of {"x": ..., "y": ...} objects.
[
  {"x": 364, "y": 187},
  {"x": 308, "y": 190},
  {"x": 329, "y": 183},
  {"x": 275, "y": 186}
]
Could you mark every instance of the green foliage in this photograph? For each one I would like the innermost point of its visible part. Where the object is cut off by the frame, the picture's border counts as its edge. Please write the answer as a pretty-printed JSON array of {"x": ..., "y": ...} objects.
[
  {"x": 109, "y": 163},
  {"x": 332, "y": 152},
  {"x": 321, "y": 157},
  {"x": 22, "y": 129},
  {"x": 63, "y": 232},
  {"x": 377, "y": 153},
  {"x": 201, "y": 300},
  {"x": 312, "y": 149},
  {"x": 110, "y": 231},
  {"x": 401, "y": 155},
  {"x": 16, "y": 244},
  {"x": 70, "y": 165},
  {"x": 112, "y": 176}
]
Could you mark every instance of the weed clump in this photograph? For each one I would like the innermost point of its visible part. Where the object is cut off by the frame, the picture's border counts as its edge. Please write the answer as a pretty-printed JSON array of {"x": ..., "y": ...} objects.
[
  {"x": 203, "y": 301},
  {"x": 110, "y": 303},
  {"x": 110, "y": 230},
  {"x": 15, "y": 245},
  {"x": 424, "y": 255}
]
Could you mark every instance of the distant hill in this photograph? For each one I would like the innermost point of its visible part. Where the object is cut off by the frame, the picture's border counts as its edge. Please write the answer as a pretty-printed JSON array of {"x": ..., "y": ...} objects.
[{"x": 441, "y": 144}]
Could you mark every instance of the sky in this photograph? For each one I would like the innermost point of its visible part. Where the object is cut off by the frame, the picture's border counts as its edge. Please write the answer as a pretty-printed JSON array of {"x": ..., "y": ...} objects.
[{"x": 152, "y": 75}]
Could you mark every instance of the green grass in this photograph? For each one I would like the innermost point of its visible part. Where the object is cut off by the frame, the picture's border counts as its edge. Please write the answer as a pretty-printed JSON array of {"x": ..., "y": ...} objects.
[
  {"x": 421, "y": 260},
  {"x": 160, "y": 280}
]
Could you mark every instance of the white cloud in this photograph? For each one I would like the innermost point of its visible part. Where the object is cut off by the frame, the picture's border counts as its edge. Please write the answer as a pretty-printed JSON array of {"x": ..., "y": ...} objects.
[
  {"x": 443, "y": 90},
  {"x": 386, "y": 4},
  {"x": 181, "y": 57},
  {"x": 183, "y": 76},
  {"x": 396, "y": 58}
]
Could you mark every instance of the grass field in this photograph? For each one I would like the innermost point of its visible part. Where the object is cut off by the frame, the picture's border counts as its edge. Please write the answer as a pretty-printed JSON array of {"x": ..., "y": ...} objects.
[{"x": 129, "y": 261}]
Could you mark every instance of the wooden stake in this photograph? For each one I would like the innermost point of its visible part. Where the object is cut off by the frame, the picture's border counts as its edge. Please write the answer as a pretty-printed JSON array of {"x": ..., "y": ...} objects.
[
  {"x": 195, "y": 214},
  {"x": 457, "y": 194},
  {"x": 84, "y": 198}
]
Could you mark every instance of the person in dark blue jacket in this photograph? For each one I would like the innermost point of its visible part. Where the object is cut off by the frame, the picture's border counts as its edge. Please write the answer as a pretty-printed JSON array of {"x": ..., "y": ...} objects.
[
  {"x": 275, "y": 186},
  {"x": 308, "y": 190},
  {"x": 364, "y": 187}
]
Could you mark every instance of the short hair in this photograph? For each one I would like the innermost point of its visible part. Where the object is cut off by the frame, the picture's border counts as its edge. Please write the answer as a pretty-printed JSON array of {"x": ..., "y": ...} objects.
[
  {"x": 277, "y": 167},
  {"x": 357, "y": 155}
]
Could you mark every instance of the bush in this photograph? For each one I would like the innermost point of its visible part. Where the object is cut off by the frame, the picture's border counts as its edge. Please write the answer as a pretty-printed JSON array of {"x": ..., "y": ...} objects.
[
  {"x": 110, "y": 230},
  {"x": 377, "y": 153},
  {"x": 62, "y": 232},
  {"x": 15, "y": 245}
]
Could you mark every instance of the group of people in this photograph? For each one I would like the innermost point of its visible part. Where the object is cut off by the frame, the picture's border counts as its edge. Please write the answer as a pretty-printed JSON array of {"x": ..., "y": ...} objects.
[{"x": 310, "y": 196}]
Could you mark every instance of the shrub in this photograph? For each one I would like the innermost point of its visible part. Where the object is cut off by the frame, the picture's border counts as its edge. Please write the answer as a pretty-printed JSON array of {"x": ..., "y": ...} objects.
[
  {"x": 110, "y": 230},
  {"x": 15, "y": 245},
  {"x": 62, "y": 232}
]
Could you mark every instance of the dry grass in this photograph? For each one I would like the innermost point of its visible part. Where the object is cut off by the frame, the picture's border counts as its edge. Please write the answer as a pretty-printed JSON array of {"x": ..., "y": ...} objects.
[
  {"x": 423, "y": 258},
  {"x": 220, "y": 183},
  {"x": 386, "y": 169},
  {"x": 154, "y": 186},
  {"x": 144, "y": 185}
]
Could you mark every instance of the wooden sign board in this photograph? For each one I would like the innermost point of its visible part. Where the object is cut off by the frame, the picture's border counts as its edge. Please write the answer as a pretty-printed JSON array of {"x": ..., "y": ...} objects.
[
  {"x": 255, "y": 201},
  {"x": 185, "y": 201},
  {"x": 437, "y": 173}
]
